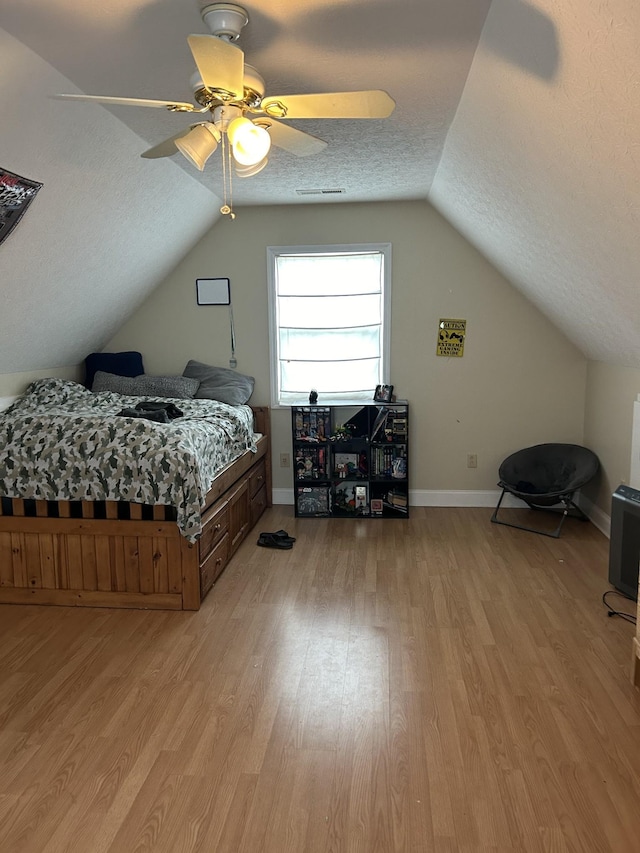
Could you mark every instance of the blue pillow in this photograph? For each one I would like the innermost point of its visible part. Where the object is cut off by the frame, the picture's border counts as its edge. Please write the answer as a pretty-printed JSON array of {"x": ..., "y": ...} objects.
[{"x": 118, "y": 363}]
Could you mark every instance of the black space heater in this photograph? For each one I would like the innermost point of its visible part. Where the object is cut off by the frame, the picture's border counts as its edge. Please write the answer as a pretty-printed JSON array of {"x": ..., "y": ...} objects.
[{"x": 624, "y": 544}]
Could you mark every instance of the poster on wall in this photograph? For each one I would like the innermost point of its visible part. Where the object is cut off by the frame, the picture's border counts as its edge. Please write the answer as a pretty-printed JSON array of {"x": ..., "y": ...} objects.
[
  {"x": 451, "y": 334},
  {"x": 16, "y": 194}
]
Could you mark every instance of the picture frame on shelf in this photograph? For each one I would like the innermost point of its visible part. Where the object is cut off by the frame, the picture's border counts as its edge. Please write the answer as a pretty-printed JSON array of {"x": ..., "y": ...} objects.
[
  {"x": 377, "y": 506},
  {"x": 383, "y": 393}
]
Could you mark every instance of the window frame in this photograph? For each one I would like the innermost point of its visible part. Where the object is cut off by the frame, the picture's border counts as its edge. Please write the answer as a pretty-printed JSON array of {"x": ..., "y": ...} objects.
[{"x": 340, "y": 248}]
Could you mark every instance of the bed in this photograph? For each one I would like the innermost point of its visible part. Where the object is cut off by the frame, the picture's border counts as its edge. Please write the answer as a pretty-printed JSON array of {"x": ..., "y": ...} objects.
[{"x": 106, "y": 509}]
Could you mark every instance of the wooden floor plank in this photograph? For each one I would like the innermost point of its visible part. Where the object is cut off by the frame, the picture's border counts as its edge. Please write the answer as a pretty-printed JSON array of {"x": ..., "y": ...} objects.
[{"x": 434, "y": 684}]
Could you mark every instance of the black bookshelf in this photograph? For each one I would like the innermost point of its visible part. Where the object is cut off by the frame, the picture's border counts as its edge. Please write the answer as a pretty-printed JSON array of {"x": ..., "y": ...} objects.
[{"x": 351, "y": 460}]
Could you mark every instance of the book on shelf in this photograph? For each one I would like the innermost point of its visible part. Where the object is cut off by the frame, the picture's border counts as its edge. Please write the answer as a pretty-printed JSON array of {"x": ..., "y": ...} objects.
[
  {"x": 389, "y": 462},
  {"x": 312, "y": 424},
  {"x": 398, "y": 500}
]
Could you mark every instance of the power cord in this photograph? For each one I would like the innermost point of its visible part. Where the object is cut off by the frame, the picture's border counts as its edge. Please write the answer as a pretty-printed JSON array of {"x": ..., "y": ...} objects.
[{"x": 621, "y": 613}]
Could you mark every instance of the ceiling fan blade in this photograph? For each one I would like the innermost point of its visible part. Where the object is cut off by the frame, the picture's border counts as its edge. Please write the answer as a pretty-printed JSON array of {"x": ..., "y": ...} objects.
[
  {"x": 296, "y": 141},
  {"x": 166, "y": 148},
  {"x": 220, "y": 63},
  {"x": 369, "y": 104},
  {"x": 173, "y": 106}
]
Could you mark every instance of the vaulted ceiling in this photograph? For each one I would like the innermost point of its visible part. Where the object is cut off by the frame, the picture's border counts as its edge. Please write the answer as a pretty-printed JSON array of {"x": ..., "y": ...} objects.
[{"x": 518, "y": 119}]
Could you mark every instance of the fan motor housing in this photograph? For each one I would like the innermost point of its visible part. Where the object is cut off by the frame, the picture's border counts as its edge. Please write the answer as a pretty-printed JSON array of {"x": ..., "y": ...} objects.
[{"x": 253, "y": 85}]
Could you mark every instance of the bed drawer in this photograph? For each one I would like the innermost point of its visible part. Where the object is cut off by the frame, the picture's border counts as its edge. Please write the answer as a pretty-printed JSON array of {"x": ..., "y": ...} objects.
[
  {"x": 258, "y": 504},
  {"x": 257, "y": 478},
  {"x": 215, "y": 525},
  {"x": 213, "y": 565}
]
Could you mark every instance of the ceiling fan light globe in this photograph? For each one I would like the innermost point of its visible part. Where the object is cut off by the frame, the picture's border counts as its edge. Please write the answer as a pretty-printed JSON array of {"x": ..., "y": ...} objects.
[
  {"x": 237, "y": 126},
  {"x": 250, "y": 143},
  {"x": 248, "y": 171},
  {"x": 199, "y": 144}
]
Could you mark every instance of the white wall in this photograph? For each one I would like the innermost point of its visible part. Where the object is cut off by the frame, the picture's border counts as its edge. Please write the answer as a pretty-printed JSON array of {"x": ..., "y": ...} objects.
[
  {"x": 520, "y": 382},
  {"x": 611, "y": 394}
]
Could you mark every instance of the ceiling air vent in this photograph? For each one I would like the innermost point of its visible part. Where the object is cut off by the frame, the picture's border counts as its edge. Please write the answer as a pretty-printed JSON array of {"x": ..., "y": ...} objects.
[{"x": 337, "y": 191}]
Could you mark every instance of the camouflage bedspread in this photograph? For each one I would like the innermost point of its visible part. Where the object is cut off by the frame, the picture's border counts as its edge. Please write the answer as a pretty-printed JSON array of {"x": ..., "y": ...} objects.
[{"x": 60, "y": 441}]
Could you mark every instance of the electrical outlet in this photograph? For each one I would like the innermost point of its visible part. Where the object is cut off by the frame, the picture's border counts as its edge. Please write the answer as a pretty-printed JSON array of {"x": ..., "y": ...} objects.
[
  {"x": 285, "y": 460},
  {"x": 472, "y": 460}
]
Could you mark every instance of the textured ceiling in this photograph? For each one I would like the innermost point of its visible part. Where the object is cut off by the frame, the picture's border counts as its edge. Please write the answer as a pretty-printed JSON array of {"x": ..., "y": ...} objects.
[
  {"x": 517, "y": 119},
  {"x": 418, "y": 51}
]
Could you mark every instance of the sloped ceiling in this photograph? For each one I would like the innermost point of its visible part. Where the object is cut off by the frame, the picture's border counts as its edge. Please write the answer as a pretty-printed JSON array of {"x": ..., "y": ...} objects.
[
  {"x": 98, "y": 236},
  {"x": 543, "y": 175},
  {"x": 517, "y": 119}
]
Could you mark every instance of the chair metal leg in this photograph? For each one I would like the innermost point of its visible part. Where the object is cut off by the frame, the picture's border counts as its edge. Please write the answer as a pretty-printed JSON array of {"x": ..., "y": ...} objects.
[
  {"x": 494, "y": 517},
  {"x": 568, "y": 505}
]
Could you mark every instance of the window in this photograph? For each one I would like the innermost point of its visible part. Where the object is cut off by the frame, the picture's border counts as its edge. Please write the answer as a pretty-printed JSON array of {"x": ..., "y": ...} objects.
[{"x": 330, "y": 313}]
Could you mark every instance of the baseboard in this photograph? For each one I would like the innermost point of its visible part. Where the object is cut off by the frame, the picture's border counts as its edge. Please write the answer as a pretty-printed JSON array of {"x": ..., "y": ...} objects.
[
  {"x": 596, "y": 516},
  {"x": 472, "y": 498},
  {"x": 460, "y": 497},
  {"x": 282, "y": 497}
]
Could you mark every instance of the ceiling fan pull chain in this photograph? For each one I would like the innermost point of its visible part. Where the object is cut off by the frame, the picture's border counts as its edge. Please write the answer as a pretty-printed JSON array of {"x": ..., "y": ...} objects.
[
  {"x": 230, "y": 174},
  {"x": 226, "y": 209}
]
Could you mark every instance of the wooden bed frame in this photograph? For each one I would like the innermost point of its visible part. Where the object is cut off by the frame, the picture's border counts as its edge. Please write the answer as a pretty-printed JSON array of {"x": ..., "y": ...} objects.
[{"x": 62, "y": 553}]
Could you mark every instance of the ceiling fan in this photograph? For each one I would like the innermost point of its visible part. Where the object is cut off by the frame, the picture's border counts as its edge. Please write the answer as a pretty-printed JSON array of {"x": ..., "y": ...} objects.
[{"x": 241, "y": 118}]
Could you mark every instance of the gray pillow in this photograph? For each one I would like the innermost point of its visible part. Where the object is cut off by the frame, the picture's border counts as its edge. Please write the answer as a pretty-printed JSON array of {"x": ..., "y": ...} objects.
[
  {"x": 177, "y": 387},
  {"x": 220, "y": 383}
]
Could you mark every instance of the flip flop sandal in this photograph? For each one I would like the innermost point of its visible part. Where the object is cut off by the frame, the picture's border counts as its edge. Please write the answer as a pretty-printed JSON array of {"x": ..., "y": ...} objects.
[
  {"x": 268, "y": 540},
  {"x": 281, "y": 534}
]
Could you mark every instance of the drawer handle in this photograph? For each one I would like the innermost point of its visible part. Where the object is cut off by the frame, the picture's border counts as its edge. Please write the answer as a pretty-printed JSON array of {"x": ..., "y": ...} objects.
[
  {"x": 259, "y": 477},
  {"x": 217, "y": 527},
  {"x": 218, "y": 561}
]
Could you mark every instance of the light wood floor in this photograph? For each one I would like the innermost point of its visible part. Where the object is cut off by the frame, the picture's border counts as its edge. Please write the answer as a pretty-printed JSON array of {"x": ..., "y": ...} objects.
[{"x": 439, "y": 684}]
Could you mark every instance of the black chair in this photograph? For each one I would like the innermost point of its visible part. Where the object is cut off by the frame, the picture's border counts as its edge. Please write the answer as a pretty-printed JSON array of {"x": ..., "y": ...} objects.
[{"x": 546, "y": 477}]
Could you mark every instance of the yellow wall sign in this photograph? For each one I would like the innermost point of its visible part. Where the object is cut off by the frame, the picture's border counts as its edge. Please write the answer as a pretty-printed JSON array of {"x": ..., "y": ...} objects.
[{"x": 451, "y": 338}]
